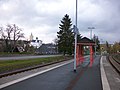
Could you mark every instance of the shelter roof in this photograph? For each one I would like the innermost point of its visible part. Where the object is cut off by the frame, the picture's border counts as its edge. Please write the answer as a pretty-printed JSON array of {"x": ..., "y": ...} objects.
[{"x": 86, "y": 41}]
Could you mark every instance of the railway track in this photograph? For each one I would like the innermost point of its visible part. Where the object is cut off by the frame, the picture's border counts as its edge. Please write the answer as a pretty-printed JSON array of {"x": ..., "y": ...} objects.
[
  {"x": 115, "y": 63},
  {"x": 117, "y": 60},
  {"x": 29, "y": 68}
]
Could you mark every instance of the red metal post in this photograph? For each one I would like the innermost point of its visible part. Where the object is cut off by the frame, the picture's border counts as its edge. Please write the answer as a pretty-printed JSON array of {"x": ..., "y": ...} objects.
[
  {"x": 80, "y": 53},
  {"x": 91, "y": 56},
  {"x": 77, "y": 55}
]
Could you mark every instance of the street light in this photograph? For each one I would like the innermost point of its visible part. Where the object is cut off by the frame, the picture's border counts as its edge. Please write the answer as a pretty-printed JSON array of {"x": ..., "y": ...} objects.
[
  {"x": 91, "y": 28},
  {"x": 75, "y": 39}
]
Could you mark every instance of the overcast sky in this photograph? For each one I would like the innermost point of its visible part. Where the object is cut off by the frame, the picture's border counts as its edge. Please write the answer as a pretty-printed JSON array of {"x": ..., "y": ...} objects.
[{"x": 42, "y": 17}]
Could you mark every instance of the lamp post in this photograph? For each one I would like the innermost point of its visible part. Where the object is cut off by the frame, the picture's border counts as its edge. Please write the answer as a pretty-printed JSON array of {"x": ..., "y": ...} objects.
[
  {"x": 91, "y": 28},
  {"x": 75, "y": 28}
]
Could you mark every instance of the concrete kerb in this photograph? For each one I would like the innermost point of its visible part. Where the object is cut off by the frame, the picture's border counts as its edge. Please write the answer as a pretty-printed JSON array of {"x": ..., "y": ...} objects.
[{"x": 105, "y": 83}]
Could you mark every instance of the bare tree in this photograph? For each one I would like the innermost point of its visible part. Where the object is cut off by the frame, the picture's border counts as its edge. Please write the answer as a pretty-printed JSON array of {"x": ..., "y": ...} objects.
[
  {"x": 1, "y": 32},
  {"x": 11, "y": 34},
  {"x": 1, "y": 40},
  {"x": 4, "y": 39},
  {"x": 16, "y": 35},
  {"x": 55, "y": 41}
]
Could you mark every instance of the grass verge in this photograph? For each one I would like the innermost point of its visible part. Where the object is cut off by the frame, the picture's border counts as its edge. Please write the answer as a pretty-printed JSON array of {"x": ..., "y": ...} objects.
[{"x": 11, "y": 65}]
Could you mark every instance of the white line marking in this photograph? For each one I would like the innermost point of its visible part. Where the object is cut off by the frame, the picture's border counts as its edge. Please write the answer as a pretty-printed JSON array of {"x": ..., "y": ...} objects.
[
  {"x": 32, "y": 75},
  {"x": 105, "y": 83}
]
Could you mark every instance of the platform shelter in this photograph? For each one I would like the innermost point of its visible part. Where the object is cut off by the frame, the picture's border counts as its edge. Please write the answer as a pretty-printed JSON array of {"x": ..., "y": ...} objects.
[{"x": 80, "y": 50}]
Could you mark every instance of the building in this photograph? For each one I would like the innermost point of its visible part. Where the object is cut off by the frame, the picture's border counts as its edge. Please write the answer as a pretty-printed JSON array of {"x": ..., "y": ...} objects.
[
  {"x": 47, "y": 49},
  {"x": 35, "y": 43},
  {"x": 31, "y": 37},
  {"x": 1, "y": 45},
  {"x": 19, "y": 47}
]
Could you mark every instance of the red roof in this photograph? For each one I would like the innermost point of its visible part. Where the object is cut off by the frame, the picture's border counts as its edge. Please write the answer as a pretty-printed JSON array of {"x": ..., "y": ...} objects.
[{"x": 86, "y": 41}]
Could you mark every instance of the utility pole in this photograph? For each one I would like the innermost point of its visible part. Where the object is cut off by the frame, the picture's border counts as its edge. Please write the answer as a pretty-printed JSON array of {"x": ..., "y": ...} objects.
[
  {"x": 75, "y": 40},
  {"x": 91, "y": 28}
]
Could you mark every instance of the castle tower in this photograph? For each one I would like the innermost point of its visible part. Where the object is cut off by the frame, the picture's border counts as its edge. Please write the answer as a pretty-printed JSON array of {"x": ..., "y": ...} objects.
[{"x": 31, "y": 37}]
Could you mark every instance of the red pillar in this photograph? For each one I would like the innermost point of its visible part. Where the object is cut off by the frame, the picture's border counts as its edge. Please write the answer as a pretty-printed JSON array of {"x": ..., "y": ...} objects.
[
  {"x": 91, "y": 55},
  {"x": 77, "y": 55},
  {"x": 82, "y": 54}
]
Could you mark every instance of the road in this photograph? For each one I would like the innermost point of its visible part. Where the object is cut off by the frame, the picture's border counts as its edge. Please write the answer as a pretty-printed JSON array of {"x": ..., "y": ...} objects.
[
  {"x": 26, "y": 57},
  {"x": 63, "y": 78}
]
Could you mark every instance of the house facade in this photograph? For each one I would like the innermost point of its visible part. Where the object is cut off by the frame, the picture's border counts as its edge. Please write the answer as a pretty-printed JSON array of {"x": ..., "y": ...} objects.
[{"x": 48, "y": 49}]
